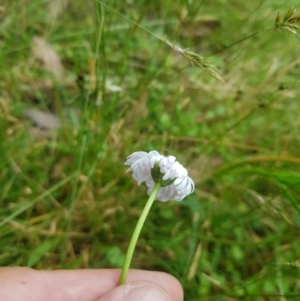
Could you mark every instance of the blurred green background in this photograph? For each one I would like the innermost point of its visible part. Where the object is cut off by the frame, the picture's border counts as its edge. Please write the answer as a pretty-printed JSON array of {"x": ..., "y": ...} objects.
[{"x": 81, "y": 88}]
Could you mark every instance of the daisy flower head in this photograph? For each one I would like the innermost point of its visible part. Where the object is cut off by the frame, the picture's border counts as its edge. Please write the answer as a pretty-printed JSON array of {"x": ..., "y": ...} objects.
[{"x": 154, "y": 168}]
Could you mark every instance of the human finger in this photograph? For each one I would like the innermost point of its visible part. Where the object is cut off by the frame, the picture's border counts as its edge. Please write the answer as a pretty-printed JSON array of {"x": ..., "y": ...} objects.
[{"x": 72, "y": 285}]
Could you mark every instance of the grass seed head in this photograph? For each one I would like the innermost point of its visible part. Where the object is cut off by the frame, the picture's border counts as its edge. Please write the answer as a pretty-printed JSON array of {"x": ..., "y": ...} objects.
[
  {"x": 289, "y": 23},
  {"x": 198, "y": 60}
]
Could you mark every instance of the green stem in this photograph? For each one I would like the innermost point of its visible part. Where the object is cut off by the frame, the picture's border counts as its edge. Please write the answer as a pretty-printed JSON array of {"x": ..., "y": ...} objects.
[{"x": 136, "y": 233}]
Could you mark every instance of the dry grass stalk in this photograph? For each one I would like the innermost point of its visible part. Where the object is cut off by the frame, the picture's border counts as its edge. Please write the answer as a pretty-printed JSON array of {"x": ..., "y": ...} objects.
[
  {"x": 43, "y": 51},
  {"x": 56, "y": 7},
  {"x": 43, "y": 120}
]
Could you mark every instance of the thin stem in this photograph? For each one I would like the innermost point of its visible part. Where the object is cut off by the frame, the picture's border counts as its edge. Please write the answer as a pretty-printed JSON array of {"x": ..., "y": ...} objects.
[
  {"x": 243, "y": 39},
  {"x": 131, "y": 21},
  {"x": 136, "y": 233}
]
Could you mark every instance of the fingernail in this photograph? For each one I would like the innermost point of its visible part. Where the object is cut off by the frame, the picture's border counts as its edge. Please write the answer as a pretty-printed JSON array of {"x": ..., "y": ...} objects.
[{"x": 145, "y": 292}]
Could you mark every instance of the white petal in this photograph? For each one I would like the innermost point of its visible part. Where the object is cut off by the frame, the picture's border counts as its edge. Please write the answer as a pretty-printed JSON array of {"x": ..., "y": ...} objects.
[
  {"x": 152, "y": 161},
  {"x": 166, "y": 175},
  {"x": 192, "y": 184},
  {"x": 171, "y": 159},
  {"x": 134, "y": 157},
  {"x": 155, "y": 153},
  {"x": 182, "y": 184}
]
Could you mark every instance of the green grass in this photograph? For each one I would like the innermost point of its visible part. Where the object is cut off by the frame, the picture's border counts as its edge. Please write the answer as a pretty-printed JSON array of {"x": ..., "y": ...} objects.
[{"x": 65, "y": 198}]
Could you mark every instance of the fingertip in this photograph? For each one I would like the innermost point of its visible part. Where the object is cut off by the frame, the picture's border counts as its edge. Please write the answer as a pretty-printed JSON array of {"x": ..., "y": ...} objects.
[
  {"x": 137, "y": 291},
  {"x": 174, "y": 287}
]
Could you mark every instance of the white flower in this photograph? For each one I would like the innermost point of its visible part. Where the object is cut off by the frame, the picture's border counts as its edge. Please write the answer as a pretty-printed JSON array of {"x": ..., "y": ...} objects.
[{"x": 176, "y": 184}]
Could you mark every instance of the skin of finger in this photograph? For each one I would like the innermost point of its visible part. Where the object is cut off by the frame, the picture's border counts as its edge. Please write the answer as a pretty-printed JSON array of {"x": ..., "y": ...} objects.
[
  {"x": 20, "y": 284},
  {"x": 72, "y": 285},
  {"x": 139, "y": 290}
]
